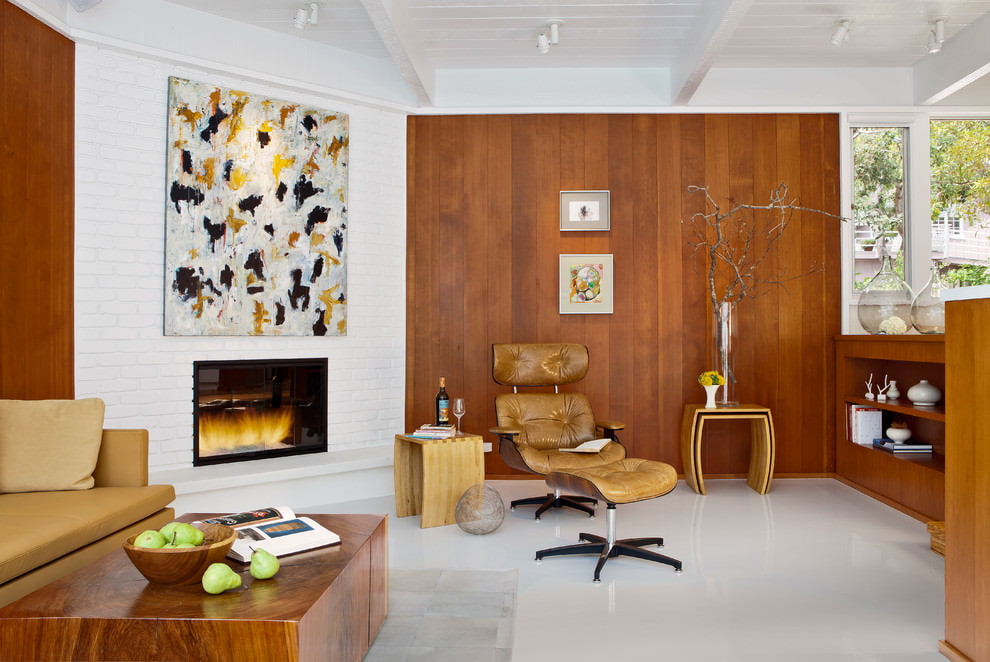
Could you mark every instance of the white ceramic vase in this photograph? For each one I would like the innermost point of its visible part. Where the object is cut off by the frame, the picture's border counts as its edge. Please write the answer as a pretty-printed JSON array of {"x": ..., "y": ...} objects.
[
  {"x": 924, "y": 394},
  {"x": 710, "y": 392},
  {"x": 898, "y": 434}
]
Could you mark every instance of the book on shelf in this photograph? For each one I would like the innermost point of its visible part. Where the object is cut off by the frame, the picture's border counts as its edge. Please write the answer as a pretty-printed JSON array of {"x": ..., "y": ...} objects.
[
  {"x": 433, "y": 432},
  {"x": 901, "y": 446},
  {"x": 592, "y": 446},
  {"x": 277, "y": 530},
  {"x": 865, "y": 424}
]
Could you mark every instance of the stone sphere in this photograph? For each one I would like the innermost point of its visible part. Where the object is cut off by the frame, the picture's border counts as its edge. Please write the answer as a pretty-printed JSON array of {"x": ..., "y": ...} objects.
[{"x": 480, "y": 510}]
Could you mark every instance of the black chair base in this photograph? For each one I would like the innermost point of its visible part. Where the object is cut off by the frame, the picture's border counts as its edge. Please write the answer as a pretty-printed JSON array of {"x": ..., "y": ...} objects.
[
  {"x": 608, "y": 548},
  {"x": 554, "y": 501}
]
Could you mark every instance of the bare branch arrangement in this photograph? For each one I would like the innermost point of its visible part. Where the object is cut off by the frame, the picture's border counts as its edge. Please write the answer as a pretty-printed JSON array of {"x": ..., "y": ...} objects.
[{"x": 736, "y": 242}]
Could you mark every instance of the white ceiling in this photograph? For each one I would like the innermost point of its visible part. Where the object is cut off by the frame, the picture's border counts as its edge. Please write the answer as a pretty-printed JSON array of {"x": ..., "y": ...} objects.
[{"x": 687, "y": 38}]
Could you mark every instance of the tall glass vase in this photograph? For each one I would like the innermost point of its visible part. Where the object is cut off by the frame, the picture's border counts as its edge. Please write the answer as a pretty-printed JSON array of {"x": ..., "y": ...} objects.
[
  {"x": 721, "y": 353},
  {"x": 928, "y": 309},
  {"x": 885, "y": 304}
]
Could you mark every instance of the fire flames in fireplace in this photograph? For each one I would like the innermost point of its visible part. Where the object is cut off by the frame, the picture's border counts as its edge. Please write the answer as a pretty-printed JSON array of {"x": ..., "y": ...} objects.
[
  {"x": 254, "y": 409},
  {"x": 244, "y": 429}
]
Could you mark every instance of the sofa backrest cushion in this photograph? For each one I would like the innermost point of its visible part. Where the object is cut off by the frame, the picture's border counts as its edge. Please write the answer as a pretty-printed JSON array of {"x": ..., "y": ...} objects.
[{"x": 49, "y": 445}]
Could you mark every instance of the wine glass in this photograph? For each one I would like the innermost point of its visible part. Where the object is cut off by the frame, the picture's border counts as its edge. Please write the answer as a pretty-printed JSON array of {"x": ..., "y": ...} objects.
[{"x": 458, "y": 411}]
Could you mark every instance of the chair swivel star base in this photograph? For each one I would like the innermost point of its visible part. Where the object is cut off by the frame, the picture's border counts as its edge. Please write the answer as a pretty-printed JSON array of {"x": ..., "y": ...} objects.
[
  {"x": 556, "y": 500},
  {"x": 609, "y": 547}
]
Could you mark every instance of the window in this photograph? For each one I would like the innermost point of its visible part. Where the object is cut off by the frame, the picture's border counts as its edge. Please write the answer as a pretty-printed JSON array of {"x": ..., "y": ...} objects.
[
  {"x": 878, "y": 200},
  {"x": 960, "y": 199}
]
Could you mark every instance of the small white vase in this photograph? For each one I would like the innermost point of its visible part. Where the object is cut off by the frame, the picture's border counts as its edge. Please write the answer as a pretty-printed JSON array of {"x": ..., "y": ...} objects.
[
  {"x": 924, "y": 394},
  {"x": 898, "y": 434},
  {"x": 710, "y": 392},
  {"x": 893, "y": 393}
]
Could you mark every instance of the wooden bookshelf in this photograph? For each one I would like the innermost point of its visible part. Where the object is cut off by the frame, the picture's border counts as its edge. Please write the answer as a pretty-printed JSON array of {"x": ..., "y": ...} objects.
[{"x": 913, "y": 483}]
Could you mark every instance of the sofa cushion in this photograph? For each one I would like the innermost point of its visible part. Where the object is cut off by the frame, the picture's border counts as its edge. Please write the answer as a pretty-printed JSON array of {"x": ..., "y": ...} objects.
[
  {"x": 42, "y": 526},
  {"x": 49, "y": 444}
]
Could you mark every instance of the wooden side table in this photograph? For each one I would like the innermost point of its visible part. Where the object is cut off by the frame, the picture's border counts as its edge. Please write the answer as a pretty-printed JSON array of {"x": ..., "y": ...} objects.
[
  {"x": 432, "y": 474},
  {"x": 762, "y": 439}
]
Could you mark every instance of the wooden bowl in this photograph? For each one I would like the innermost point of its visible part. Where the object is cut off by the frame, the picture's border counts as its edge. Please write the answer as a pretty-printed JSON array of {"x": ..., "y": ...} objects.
[{"x": 174, "y": 567}]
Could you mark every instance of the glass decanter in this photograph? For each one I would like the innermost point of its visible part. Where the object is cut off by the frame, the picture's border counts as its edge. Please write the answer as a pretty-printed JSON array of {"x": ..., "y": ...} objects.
[
  {"x": 885, "y": 304},
  {"x": 928, "y": 309}
]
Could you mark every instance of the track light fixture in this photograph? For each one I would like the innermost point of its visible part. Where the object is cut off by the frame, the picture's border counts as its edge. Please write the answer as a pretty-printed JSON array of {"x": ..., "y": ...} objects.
[
  {"x": 303, "y": 17},
  {"x": 841, "y": 32},
  {"x": 936, "y": 36},
  {"x": 549, "y": 37}
]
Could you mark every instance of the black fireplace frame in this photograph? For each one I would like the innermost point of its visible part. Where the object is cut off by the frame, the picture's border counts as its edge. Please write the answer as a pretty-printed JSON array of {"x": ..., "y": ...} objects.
[{"x": 315, "y": 424}]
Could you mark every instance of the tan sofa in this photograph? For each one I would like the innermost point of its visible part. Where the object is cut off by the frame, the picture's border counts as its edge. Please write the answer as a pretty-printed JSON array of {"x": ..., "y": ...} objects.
[{"x": 47, "y": 535}]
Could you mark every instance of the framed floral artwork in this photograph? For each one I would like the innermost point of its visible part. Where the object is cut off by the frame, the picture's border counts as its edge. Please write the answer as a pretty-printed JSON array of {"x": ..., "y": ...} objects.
[
  {"x": 586, "y": 284},
  {"x": 584, "y": 210}
]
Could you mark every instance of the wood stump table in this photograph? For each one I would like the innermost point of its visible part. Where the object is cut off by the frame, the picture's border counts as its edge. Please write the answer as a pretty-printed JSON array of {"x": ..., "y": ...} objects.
[{"x": 432, "y": 474}]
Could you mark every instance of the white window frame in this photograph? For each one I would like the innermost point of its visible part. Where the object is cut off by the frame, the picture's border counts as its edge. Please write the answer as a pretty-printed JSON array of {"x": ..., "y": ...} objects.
[{"x": 917, "y": 207}]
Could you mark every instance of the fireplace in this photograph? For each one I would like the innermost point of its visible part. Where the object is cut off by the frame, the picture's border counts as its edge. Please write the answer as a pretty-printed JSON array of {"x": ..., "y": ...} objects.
[{"x": 253, "y": 409}]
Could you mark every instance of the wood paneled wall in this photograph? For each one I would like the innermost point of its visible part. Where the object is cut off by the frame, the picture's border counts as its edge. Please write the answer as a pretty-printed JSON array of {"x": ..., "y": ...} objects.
[
  {"x": 483, "y": 246},
  {"x": 37, "y": 116}
]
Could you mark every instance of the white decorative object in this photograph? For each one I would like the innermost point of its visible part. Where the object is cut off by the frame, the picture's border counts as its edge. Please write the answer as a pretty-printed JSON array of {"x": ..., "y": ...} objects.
[
  {"x": 882, "y": 391},
  {"x": 898, "y": 434},
  {"x": 710, "y": 392},
  {"x": 892, "y": 392},
  {"x": 924, "y": 394},
  {"x": 869, "y": 387}
]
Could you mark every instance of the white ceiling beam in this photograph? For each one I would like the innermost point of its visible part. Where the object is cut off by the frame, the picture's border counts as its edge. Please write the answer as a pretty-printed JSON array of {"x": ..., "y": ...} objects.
[
  {"x": 963, "y": 59},
  {"x": 709, "y": 36},
  {"x": 394, "y": 26}
]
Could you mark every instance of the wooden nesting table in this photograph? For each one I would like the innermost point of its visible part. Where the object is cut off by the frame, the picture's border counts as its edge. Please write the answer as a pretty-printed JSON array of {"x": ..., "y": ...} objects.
[
  {"x": 325, "y": 604},
  {"x": 762, "y": 441},
  {"x": 432, "y": 474}
]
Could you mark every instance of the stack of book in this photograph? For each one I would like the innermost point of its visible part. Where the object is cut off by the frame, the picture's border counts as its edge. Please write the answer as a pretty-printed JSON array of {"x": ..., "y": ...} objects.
[
  {"x": 901, "y": 446},
  {"x": 433, "y": 432}
]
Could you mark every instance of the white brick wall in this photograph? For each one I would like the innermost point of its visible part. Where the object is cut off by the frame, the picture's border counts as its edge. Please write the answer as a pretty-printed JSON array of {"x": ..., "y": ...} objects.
[{"x": 122, "y": 355}]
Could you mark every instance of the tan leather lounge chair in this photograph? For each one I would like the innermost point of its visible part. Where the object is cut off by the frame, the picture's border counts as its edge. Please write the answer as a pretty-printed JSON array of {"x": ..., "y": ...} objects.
[{"x": 534, "y": 425}]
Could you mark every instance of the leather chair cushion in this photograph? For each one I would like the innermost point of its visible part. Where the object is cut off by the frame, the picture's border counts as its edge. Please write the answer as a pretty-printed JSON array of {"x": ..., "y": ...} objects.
[
  {"x": 544, "y": 462},
  {"x": 539, "y": 364},
  {"x": 548, "y": 420},
  {"x": 625, "y": 481}
]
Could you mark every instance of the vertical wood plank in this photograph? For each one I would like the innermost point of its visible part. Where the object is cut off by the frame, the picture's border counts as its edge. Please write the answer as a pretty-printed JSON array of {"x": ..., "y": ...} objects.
[{"x": 37, "y": 68}]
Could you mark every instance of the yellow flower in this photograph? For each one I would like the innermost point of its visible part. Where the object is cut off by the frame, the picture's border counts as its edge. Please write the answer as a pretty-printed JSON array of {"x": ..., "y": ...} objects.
[{"x": 711, "y": 378}]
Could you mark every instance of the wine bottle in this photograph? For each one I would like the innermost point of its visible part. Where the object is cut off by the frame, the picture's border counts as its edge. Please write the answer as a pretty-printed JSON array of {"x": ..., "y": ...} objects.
[{"x": 443, "y": 404}]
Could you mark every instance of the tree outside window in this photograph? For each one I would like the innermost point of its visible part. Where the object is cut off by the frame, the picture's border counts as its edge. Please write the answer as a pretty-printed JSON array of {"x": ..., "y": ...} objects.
[{"x": 960, "y": 195}]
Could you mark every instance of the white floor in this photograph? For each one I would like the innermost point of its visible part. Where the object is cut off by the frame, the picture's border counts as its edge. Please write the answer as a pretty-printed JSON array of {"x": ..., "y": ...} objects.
[{"x": 813, "y": 571}]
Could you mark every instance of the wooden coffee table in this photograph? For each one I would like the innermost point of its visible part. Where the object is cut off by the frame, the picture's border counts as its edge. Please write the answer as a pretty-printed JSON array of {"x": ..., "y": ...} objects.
[{"x": 325, "y": 604}]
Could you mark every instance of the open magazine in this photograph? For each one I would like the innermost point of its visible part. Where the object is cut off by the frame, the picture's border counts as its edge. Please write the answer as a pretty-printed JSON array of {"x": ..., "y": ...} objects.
[
  {"x": 276, "y": 530},
  {"x": 592, "y": 446}
]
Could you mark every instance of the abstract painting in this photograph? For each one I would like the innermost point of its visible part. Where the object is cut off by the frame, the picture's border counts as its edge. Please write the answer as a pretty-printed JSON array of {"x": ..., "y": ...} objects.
[
  {"x": 256, "y": 215},
  {"x": 586, "y": 283}
]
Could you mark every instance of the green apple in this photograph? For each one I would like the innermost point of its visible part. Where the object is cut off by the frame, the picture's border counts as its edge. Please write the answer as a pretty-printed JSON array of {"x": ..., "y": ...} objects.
[
  {"x": 187, "y": 533},
  {"x": 219, "y": 578},
  {"x": 264, "y": 564},
  {"x": 151, "y": 539}
]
